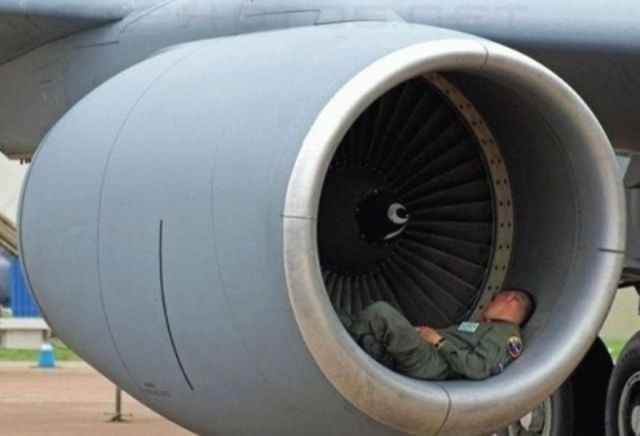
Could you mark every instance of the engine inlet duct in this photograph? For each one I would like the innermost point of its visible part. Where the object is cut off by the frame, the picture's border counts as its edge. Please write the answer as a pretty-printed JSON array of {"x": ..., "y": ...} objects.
[
  {"x": 408, "y": 208},
  {"x": 207, "y": 206}
]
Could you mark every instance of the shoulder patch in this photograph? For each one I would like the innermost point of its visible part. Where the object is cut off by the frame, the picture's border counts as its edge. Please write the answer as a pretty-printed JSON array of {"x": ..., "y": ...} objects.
[{"x": 515, "y": 346}]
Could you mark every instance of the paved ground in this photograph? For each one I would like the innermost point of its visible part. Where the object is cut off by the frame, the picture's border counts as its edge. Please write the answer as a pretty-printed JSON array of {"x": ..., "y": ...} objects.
[{"x": 70, "y": 401}]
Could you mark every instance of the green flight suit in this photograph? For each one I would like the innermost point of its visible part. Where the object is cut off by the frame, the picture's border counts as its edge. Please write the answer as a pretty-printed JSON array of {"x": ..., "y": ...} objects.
[{"x": 470, "y": 350}]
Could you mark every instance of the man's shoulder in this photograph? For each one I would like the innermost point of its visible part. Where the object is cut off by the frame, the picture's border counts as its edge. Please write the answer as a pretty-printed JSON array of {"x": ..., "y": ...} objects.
[{"x": 508, "y": 336}]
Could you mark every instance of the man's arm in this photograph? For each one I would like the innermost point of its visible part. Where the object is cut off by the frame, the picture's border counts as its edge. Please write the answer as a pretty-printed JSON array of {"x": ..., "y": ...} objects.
[
  {"x": 474, "y": 363},
  {"x": 430, "y": 335}
]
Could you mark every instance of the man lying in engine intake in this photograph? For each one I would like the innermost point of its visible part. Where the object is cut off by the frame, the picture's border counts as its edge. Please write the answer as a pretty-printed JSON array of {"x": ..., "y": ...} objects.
[{"x": 473, "y": 350}]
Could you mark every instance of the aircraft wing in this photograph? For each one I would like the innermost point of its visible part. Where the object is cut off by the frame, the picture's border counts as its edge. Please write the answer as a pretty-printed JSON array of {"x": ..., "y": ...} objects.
[
  {"x": 25, "y": 25},
  {"x": 548, "y": 25}
]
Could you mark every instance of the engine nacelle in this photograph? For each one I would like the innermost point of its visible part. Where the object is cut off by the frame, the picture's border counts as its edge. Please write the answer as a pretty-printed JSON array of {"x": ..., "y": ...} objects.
[{"x": 207, "y": 206}]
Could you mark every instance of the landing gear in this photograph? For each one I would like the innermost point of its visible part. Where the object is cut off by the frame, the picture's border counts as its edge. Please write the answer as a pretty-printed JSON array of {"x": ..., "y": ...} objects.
[
  {"x": 623, "y": 396},
  {"x": 553, "y": 417},
  {"x": 577, "y": 407}
]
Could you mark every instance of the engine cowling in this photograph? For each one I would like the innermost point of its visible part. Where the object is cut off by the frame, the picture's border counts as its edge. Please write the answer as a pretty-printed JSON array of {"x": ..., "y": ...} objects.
[{"x": 208, "y": 205}]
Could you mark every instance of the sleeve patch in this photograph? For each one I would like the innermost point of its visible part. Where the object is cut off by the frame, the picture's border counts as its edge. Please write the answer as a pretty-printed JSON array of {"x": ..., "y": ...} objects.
[{"x": 515, "y": 346}]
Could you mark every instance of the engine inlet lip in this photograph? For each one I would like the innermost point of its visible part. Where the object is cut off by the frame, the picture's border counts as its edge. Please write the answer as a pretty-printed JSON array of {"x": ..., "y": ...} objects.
[{"x": 409, "y": 405}]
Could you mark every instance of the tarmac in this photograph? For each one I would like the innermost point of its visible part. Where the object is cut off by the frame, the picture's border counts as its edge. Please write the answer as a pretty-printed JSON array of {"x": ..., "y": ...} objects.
[{"x": 72, "y": 399}]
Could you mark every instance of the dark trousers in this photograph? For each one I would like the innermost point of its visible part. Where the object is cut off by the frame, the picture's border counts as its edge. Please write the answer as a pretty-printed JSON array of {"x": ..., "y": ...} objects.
[{"x": 387, "y": 336}]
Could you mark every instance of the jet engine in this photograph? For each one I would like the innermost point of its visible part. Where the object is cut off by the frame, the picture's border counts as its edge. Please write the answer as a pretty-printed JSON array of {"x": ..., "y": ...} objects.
[{"x": 211, "y": 205}]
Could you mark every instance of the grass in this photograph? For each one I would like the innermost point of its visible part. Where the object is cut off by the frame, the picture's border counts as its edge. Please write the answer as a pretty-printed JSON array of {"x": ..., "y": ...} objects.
[
  {"x": 615, "y": 346},
  {"x": 61, "y": 352}
]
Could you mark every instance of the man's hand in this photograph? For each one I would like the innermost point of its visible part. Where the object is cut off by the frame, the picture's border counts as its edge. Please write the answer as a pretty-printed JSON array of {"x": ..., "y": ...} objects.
[{"x": 429, "y": 334}]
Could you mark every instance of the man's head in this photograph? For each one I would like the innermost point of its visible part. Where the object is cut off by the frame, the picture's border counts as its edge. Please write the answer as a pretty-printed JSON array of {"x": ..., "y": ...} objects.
[{"x": 514, "y": 305}]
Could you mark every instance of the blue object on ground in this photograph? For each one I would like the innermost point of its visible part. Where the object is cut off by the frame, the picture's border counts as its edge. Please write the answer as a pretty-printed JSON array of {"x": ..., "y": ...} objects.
[{"x": 46, "y": 359}]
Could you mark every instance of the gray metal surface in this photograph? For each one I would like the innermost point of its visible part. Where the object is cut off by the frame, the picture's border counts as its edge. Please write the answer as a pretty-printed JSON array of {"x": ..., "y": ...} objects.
[
  {"x": 25, "y": 25},
  {"x": 594, "y": 47},
  {"x": 206, "y": 157},
  {"x": 630, "y": 166},
  {"x": 40, "y": 86}
]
